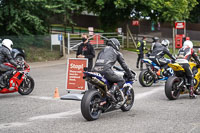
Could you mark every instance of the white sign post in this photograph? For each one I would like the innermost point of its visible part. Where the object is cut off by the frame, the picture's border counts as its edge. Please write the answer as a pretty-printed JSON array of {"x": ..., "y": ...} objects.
[
  {"x": 56, "y": 40},
  {"x": 91, "y": 31}
]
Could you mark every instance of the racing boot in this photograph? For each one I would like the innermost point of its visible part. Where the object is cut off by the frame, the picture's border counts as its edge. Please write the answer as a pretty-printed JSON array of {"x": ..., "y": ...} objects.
[
  {"x": 111, "y": 92},
  {"x": 191, "y": 93},
  {"x": 2, "y": 79},
  {"x": 160, "y": 73}
]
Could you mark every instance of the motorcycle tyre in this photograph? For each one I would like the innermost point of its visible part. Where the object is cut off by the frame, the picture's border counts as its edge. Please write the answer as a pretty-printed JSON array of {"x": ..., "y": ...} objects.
[
  {"x": 85, "y": 105},
  {"x": 31, "y": 88},
  {"x": 141, "y": 76},
  {"x": 169, "y": 86}
]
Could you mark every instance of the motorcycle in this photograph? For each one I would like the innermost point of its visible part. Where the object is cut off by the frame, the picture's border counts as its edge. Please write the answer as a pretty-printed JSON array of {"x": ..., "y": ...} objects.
[
  {"x": 95, "y": 101},
  {"x": 178, "y": 84},
  {"x": 149, "y": 76},
  {"x": 19, "y": 81}
]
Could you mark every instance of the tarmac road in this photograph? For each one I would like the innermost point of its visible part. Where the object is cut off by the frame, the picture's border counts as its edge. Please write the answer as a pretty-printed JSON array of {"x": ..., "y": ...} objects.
[{"x": 41, "y": 113}]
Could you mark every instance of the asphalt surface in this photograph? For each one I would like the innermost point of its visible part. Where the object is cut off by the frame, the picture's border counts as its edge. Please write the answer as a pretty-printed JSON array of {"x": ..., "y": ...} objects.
[{"x": 39, "y": 112}]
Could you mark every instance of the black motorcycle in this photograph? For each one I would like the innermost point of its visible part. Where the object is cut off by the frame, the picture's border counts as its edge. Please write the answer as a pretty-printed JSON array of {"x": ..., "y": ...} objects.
[{"x": 95, "y": 101}]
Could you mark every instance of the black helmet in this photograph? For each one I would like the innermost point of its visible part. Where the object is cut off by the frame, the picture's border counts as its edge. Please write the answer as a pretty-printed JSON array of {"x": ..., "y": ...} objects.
[
  {"x": 113, "y": 42},
  {"x": 155, "y": 39}
]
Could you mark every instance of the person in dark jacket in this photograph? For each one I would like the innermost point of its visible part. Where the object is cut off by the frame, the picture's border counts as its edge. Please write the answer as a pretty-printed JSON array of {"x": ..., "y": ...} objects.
[
  {"x": 155, "y": 43},
  {"x": 5, "y": 54},
  {"x": 105, "y": 61},
  {"x": 141, "y": 46},
  {"x": 157, "y": 55},
  {"x": 86, "y": 50},
  {"x": 185, "y": 54}
]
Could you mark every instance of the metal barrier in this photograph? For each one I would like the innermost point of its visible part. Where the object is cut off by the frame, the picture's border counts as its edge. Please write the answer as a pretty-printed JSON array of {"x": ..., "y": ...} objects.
[{"x": 98, "y": 40}]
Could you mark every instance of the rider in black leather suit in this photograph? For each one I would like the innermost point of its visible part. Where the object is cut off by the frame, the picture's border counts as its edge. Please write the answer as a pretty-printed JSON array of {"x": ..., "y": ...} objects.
[
  {"x": 106, "y": 60},
  {"x": 157, "y": 56},
  {"x": 5, "y": 55}
]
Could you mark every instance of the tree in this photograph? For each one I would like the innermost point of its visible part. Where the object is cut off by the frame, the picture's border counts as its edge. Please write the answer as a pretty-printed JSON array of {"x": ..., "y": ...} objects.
[
  {"x": 31, "y": 16},
  {"x": 195, "y": 14},
  {"x": 111, "y": 12}
]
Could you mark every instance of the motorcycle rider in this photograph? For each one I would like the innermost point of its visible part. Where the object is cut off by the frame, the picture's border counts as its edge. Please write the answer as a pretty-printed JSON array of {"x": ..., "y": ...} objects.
[
  {"x": 157, "y": 55},
  {"x": 106, "y": 60},
  {"x": 187, "y": 52},
  {"x": 5, "y": 54},
  {"x": 155, "y": 43}
]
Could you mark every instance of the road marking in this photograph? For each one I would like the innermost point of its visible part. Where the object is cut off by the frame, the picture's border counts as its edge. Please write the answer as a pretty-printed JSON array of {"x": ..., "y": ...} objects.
[
  {"x": 14, "y": 124},
  {"x": 42, "y": 97},
  {"x": 64, "y": 114},
  {"x": 56, "y": 115},
  {"x": 145, "y": 94}
]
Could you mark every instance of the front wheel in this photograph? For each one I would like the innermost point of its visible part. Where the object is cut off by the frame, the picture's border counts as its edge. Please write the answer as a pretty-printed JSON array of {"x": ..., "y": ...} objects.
[
  {"x": 129, "y": 100},
  {"x": 146, "y": 79},
  {"x": 90, "y": 105},
  {"x": 171, "y": 90},
  {"x": 26, "y": 86}
]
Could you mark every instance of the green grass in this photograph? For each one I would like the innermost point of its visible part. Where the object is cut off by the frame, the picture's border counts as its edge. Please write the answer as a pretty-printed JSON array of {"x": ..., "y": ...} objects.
[{"x": 35, "y": 54}]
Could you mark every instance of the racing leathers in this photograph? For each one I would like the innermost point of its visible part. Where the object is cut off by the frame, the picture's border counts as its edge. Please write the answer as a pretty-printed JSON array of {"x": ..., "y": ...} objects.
[
  {"x": 187, "y": 53},
  {"x": 157, "y": 56},
  {"x": 5, "y": 55},
  {"x": 105, "y": 61}
]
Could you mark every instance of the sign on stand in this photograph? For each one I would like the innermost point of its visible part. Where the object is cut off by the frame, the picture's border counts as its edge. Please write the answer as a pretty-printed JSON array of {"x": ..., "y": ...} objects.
[
  {"x": 56, "y": 39},
  {"x": 74, "y": 78}
]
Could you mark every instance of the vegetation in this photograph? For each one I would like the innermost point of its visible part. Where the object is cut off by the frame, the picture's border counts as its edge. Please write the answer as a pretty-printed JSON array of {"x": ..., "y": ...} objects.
[
  {"x": 26, "y": 17},
  {"x": 111, "y": 12}
]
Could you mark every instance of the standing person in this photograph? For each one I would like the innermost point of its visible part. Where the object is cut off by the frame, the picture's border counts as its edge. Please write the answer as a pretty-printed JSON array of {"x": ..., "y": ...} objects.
[
  {"x": 86, "y": 50},
  {"x": 141, "y": 46}
]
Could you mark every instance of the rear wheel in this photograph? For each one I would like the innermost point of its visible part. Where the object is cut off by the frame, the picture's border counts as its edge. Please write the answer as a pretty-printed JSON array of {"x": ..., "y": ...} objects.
[
  {"x": 171, "y": 90},
  {"x": 90, "y": 105},
  {"x": 26, "y": 86},
  {"x": 129, "y": 100},
  {"x": 146, "y": 79}
]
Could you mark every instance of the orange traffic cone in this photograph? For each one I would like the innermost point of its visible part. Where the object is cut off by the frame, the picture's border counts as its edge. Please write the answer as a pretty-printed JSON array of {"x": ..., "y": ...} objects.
[{"x": 56, "y": 93}]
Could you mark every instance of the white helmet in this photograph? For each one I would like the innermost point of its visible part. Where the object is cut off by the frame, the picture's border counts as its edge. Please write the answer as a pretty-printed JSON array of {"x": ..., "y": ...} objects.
[
  {"x": 188, "y": 43},
  {"x": 7, "y": 43},
  {"x": 165, "y": 43}
]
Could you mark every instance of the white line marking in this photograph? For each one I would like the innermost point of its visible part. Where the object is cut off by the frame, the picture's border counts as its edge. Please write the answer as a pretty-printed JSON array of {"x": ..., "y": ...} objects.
[
  {"x": 145, "y": 94},
  {"x": 65, "y": 114},
  {"x": 42, "y": 97},
  {"x": 56, "y": 115},
  {"x": 14, "y": 124}
]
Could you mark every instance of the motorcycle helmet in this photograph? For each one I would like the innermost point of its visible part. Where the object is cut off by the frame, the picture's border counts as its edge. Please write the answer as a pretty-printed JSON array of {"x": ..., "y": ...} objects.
[
  {"x": 165, "y": 43},
  {"x": 7, "y": 43},
  {"x": 113, "y": 42},
  {"x": 155, "y": 39},
  {"x": 188, "y": 43}
]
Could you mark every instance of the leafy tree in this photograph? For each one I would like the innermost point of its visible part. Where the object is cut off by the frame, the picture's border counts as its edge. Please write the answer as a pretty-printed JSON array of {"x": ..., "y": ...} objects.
[
  {"x": 195, "y": 13},
  {"x": 111, "y": 12},
  {"x": 31, "y": 16}
]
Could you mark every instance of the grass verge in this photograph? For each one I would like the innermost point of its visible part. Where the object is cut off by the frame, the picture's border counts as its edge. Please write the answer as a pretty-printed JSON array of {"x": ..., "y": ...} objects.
[{"x": 35, "y": 54}]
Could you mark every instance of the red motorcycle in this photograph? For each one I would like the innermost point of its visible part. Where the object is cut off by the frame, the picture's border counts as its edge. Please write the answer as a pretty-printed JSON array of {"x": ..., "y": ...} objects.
[{"x": 19, "y": 81}]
